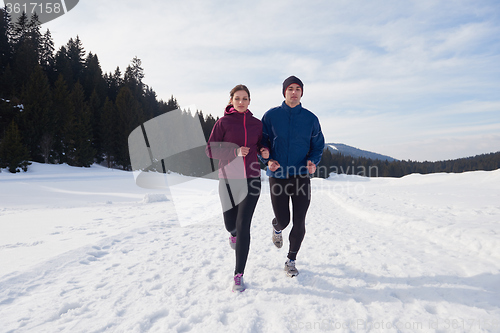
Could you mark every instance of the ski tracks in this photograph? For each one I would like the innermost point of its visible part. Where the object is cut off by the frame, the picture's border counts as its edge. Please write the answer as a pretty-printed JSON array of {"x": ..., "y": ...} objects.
[{"x": 376, "y": 257}]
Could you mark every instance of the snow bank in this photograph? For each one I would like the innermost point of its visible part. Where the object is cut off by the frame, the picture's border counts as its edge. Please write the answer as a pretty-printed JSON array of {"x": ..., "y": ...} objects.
[{"x": 154, "y": 197}]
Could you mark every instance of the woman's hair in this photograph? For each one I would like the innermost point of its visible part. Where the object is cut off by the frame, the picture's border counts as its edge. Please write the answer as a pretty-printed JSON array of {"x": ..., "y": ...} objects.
[{"x": 238, "y": 88}]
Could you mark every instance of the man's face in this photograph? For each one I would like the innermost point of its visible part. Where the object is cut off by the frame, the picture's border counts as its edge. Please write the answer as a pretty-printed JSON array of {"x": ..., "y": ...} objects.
[{"x": 293, "y": 95}]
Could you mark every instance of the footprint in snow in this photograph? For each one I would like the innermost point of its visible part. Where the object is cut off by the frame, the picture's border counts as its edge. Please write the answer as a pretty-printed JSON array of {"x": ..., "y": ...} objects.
[
  {"x": 100, "y": 285},
  {"x": 94, "y": 256},
  {"x": 157, "y": 286},
  {"x": 98, "y": 254}
]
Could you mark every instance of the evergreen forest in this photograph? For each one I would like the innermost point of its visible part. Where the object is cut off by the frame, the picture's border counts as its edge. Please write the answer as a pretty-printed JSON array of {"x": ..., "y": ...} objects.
[
  {"x": 58, "y": 106},
  {"x": 365, "y": 167}
]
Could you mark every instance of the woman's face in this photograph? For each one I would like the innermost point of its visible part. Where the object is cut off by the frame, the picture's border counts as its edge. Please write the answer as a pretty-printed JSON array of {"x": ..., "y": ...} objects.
[{"x": 240, "y": 101}]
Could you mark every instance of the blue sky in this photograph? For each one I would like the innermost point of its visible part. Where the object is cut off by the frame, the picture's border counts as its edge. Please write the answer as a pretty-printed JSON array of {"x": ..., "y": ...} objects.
[{"x": 415, "y": 80}]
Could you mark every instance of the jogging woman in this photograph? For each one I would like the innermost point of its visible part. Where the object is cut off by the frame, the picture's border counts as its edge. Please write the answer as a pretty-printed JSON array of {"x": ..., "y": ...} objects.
[{"x": 235, "y": 141}]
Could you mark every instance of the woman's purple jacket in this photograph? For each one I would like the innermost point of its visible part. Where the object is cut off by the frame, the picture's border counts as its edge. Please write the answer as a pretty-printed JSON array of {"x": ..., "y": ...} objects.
[{"x": 234, "y": 130}]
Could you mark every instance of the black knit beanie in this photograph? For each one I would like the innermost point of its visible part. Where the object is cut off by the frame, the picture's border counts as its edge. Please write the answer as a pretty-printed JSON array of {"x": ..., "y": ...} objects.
[{"x": 290, "y": 80}]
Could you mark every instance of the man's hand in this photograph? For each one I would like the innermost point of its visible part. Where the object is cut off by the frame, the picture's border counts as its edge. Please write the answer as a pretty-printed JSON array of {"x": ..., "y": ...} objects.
[
  {"x": 273, "y": 165},
  {"x": 311, "y": 167},
  {"x": 264, "y": 152}
]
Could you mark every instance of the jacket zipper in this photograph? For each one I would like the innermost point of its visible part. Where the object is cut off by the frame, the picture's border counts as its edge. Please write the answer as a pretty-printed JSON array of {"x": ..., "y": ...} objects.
[
  {"x": 244, "y": 157},
  {"x": 289, "y": 130}
]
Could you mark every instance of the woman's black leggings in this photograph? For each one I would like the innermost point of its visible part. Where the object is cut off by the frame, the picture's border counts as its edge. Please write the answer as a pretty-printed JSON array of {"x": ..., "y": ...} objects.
[
  {"x": 238, "y": 219},
  {"x": 297, "y": 188}
]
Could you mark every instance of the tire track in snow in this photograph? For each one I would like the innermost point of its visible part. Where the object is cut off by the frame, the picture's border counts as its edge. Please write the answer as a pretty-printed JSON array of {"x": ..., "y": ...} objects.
[{"x": 380, "y": 263}]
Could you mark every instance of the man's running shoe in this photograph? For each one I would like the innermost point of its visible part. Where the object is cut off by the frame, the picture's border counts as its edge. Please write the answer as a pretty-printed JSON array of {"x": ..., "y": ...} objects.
[
  {"x": 290, "y": 269},
  {"x": 277, "y": 237}
]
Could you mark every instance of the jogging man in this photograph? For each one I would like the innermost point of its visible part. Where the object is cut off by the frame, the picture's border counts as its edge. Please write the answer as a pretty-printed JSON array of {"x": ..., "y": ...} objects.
[{"x": 294, "y": 136}]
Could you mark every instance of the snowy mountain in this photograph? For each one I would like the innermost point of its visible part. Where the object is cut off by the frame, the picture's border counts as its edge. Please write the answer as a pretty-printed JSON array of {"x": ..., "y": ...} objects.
[
  {"x": 86, "y": 250},
  {"x": 355, "y": 152}
]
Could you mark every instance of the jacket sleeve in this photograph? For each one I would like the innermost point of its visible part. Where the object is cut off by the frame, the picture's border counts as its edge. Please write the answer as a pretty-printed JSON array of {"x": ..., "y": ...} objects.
[
  {"x": 217, "y": 148},
  {"x": 265, "y": 140},
  {"x": 317, "y": 143}
]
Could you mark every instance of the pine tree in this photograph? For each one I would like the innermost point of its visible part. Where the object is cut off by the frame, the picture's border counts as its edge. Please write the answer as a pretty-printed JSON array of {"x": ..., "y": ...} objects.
[
  {"x": 85, "y": 150},
  {"x": 61, "y": 118},
  {"x": 75, "y": 60},
  {"x": 129, "y": 116},
  {"x": 150, "y": 104},
  {"x": 170, "y": 105},
  {"x": 62, "y": 66},
  {"x": 92, "y": 78},
  {"x": 134, "y": 74},
  {"x": 114, "y": 81},
  {"x": 95, "y": 111},
  {"x": 36, "y": 115},
  {"x": 14, "y": 154},
  {"x": 35, "y": 36},
  {"x": 5, "y": 45},
  {"x": 79, "y": 130},
  {"x": 209, "y": 125},
  {"x": 25, "y": 58},
  {"x": 20, "y": 28},
  {"x": 46, "y": 56},
  {"x": 108, "y": 132},
  {"x": 95, "y": 88}
]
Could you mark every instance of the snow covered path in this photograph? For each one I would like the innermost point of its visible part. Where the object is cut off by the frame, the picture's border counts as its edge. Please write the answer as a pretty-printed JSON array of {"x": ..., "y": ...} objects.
[{"x": 83, "y": 252}]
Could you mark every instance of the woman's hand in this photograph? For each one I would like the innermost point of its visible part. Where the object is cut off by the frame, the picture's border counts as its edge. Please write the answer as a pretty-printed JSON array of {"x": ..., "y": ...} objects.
[
  {"x": 243, "y": 151},
  {"x": 264, "y": 152}
]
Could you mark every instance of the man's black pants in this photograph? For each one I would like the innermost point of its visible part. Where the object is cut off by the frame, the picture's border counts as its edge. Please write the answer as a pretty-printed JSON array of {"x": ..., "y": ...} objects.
[{"x": 298, "y": 189}]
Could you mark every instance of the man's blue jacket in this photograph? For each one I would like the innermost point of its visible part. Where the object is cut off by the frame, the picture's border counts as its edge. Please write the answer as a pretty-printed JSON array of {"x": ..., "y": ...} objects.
[{"x": 294, "y": 137}]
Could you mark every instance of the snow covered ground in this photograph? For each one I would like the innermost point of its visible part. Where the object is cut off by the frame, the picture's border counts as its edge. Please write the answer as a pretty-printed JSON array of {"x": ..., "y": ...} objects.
[{"x": 86, "y": 250}]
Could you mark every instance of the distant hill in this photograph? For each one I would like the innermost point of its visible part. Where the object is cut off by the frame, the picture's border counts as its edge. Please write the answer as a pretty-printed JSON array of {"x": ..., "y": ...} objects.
[{"x": 346, "y": 150}]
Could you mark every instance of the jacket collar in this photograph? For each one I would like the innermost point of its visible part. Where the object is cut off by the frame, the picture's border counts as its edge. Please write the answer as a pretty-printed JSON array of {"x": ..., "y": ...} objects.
[
  {"x": 294, "y": 110},
  {"x": 231, "y": 110}
]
